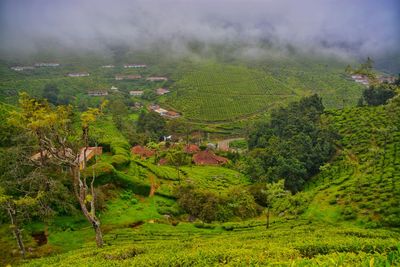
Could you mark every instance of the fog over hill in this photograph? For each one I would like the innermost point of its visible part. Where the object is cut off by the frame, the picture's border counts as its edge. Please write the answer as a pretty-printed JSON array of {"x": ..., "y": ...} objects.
[{"x": 339, "y": 27}]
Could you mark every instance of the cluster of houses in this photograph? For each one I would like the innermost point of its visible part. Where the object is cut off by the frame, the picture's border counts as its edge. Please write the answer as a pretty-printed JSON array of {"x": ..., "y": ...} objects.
[
  {"x": 386, "y": 79},
  {"x": 156, "y": 79},
  {"x": 136, "y": 93},
  {"x": 127, "y": 77},
  {"x": 365, "y": 80},
  {"x": 47, "y": 64},
  {"x": 135, "y": 66},
  {"x": 358, "y": 78},
  {"x": 22, "y": 68},
  {"x": 199, "y": 157},
  {"x": 163, "y": 112},
  {"x": 78, "y": 74},
  {"x": 36, "y": 65},
  {"x": 158, "y": 91}
]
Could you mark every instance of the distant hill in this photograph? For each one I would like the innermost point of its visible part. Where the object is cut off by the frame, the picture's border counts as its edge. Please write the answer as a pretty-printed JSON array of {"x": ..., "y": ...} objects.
[{"x": 211, "y": 91}]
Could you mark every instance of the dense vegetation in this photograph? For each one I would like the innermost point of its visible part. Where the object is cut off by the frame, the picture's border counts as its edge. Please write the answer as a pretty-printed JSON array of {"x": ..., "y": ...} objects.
[
  {"x": 309, "y": 186},
  {"x": 293, "y": 145}
]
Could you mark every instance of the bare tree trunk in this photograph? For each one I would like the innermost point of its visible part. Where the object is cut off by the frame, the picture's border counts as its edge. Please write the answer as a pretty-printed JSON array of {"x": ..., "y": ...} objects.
[
  {"x": 99, "y": 235},
  {"x": 81, "y": 194},
  {"x": 17, "y": 232}
]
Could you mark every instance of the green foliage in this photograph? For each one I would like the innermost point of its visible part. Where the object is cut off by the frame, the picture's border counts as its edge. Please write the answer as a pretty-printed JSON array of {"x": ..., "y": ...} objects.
[
  {"x": 378, "y": 95},
  {"x": 209, "y": 206},
  {"x": 292, "y": 145},
  {"x": 103, "y": 171},
  {"x": 152, "y": 124},
  {"x": 287, "y": 244},
  {"x": 215, "y": 92},
  {"x": 363, "y": 180},
  {"x": 119, "y": 161}
]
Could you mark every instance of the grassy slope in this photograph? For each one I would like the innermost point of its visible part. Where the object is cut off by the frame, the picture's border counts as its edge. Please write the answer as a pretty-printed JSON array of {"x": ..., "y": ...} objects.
[
  {"x": 217, "y": 92},
  {"x": 363, "y": 182},
  {"x": 322, "y": 236},
  {"x": 211, "y": 91},
  {"x": 284, "y": 244}
]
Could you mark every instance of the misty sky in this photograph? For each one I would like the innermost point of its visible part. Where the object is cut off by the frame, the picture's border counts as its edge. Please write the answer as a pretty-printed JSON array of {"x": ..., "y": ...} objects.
[{"x": 340, "y": 26}]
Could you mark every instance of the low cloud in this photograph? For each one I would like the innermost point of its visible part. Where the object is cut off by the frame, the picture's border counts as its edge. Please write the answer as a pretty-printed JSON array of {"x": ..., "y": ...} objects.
[{"x": 340, "y": 27}]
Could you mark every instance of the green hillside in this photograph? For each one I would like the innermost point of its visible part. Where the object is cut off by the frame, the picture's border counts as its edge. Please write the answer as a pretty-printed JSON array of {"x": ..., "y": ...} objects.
[
  {"x": 337, "y": 221},
  {"x": 214, "y": 92},
  {"x": 285, "y": 244},
  {"x": 363, "y": 181}
]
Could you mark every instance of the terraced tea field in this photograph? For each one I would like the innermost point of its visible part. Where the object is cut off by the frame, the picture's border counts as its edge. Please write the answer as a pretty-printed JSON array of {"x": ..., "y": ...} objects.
[
  {"x": 294, "y": 243},
  {"x": 218, "y": 92}
]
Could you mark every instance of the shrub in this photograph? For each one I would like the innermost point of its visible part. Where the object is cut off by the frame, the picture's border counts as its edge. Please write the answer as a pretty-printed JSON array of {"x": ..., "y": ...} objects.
[
  {"x": 120, "y": 161},
  {"x": 104, "y": 172},
  {"x": 242, "y": 203},
  {"x": 135, "y": 185}
]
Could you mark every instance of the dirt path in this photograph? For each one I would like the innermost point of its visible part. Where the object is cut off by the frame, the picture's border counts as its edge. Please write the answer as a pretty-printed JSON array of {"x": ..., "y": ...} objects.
[{"x": 224, "y": 144}]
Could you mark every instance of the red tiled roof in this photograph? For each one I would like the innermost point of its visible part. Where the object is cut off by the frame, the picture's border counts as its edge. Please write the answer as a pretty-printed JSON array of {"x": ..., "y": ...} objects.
[
  {"x": 208, "y": 158},
  {"x": 163, "y": 161},
  {"x": 191, "y": 148},
  {"x": 142, "y": 151}
]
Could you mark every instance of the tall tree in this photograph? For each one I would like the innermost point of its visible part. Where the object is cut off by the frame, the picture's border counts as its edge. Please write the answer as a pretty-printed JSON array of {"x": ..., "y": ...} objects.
[{"x": 59, "y": 145}]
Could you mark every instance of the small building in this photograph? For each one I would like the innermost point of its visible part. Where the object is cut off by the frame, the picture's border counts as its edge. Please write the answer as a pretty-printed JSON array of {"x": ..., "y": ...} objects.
[
  {"x": 113, "y": 88},
  {"x": 135, "y": 66},
  {"x": 136, "y": 93},
  {"x": 363, "y": 79},
  {"x": 162, "y": 91},
  {"x": 386, "y": 79},
  {"x": 46, "y": 64},
  {"x": 127, "y": 77},
  {"x": 172, "y": 114},
  {"x": 157, "y": 79},
  {"x": 98, "y": 93},
  {"x": 208, "y": 158},
  {"x": 108, "y": 66},
  {"x": 142, "y": 151},
  {"x": 161, "y": 111},
  {"x": 22, "y": 68},
  {"x": 78, "y": 74}
]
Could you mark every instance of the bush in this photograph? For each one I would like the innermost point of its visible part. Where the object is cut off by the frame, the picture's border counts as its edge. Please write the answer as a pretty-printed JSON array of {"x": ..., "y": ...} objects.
[
  {"x": 104, "y": 172},
  {"x": 120, "y": 148},
  {"x": 120, "y": 161},
  {"x": 135, "y": 185},
  {"x": 243, "y": 204}
]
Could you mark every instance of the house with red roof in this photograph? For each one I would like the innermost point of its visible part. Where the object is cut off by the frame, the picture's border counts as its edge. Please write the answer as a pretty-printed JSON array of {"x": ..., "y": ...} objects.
[
  {"x": 191, "y": 148},
  {"x": 208, "y": 158},
  {"x": 142, "y": 151}
]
